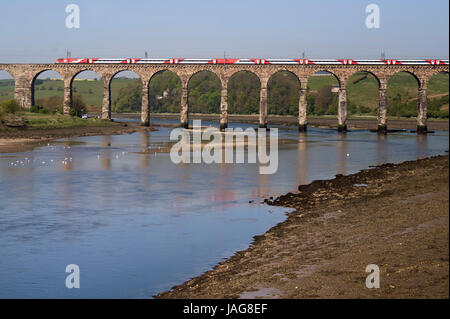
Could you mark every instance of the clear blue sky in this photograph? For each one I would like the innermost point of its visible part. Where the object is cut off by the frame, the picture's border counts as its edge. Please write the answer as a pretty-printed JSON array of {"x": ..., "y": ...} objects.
[{"x": 35, "y": 31}]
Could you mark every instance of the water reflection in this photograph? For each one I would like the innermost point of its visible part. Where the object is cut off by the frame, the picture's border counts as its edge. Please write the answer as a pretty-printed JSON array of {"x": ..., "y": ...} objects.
[
  {"x": 145, "y": 143},
  {"x": 106, "y": 155},
  {"x": 422, "y": 143},
  {"x": 137, "y": 228},
  {"x": 382, "y": 148},
  {"x": 342, "y": 153},
  {"x": 302, "y": 158}
]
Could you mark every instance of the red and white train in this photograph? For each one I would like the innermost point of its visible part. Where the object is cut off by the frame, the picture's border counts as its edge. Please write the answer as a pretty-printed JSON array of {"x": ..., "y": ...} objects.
[{"x": 253, "y": 61}]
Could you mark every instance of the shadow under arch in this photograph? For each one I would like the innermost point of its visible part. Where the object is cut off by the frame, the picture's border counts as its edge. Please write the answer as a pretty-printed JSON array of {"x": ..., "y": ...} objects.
[
  {"x": 164, "y": 92},
  {"x": 125, "y": 92},
  {"x": 204, "y": 93},
  {"x": 365, "y": 72},
  {"x": 7, "y": 85},
  {"x": 35, "y": 82},
  {"x": 244, "y": 92},
  {"x": 283, "y": 93}
]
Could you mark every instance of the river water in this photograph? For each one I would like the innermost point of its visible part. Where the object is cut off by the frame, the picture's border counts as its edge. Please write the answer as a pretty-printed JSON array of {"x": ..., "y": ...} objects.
[{"x": 137, "y": 224}]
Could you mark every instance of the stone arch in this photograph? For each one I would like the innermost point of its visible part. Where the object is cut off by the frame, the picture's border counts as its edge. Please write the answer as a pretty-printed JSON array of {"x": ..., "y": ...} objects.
[
  {"x": 86, "y": 91},
  {"x": 333, "y": 73},
  {"x": 318, "y": 103},
  {"x": 403, "y": 88},
  {"x": 153, "y": 102},
  {"x": 204, "y": 99},
  {"x": 136, "y": 96},
  {"x": 33, "y": 82},
  {"x": 290, "y": 93},
  {"x": 363, "y": 92},
  {"x": 251, "y": 101},
  {"x": 415, "y": 76},
  {"x": 6, "y": 77}
]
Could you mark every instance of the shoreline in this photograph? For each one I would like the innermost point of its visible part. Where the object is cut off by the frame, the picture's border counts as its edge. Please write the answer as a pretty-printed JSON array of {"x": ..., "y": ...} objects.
[
  {"x": 14, "y": 141},
  {"x": 21, "y": 140},
  {"x": 392, "y": 215},
  {"x": 360, "y": 123}
]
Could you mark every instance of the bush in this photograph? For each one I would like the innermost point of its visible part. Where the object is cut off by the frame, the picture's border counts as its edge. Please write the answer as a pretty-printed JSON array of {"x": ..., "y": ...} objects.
[
  {"x": 35, "y": 109},
  {"x": 78, "y": 106},
  {"x": 10, "y": 106}
]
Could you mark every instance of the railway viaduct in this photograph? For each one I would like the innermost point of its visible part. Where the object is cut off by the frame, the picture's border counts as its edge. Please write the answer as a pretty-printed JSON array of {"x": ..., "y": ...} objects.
[{"x": 25, "y": 74}]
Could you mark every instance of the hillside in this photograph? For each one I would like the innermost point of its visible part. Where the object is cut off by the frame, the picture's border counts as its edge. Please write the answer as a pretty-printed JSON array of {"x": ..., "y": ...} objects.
[{"x": 204, "y": 94}]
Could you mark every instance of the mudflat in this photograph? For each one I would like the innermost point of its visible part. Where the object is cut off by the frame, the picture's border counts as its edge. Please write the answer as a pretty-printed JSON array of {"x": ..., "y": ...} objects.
[
  {"x": 20, "y": 140},
  {"x": 394, "y": 216}
]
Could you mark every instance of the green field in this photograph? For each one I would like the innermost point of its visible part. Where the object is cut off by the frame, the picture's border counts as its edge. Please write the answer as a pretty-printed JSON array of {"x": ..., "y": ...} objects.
[{"x": 362, "y": 91}]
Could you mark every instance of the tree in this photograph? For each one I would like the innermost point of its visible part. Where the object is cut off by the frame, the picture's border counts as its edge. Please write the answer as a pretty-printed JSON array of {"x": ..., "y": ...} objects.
[
  {"x": 129, "y": 98},
  {"x": 78, "y": 106},
  {"x": 324, "y": 98}
]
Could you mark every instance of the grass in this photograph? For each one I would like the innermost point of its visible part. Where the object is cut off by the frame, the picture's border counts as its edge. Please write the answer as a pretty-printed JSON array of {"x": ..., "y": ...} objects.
[
  {"x": 54, "y": 121},
  {"x": 91, "y": 91}
]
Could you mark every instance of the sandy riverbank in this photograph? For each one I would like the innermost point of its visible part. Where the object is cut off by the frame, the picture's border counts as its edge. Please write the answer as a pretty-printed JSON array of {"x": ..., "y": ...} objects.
[
  {"x": 12, "y": 141},
  {"x": 395, "y": 216}
]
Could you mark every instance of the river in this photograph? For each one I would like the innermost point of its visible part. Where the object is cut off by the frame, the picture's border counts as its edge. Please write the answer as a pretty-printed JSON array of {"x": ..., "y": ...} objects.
[{"x": 137, "y": 224}]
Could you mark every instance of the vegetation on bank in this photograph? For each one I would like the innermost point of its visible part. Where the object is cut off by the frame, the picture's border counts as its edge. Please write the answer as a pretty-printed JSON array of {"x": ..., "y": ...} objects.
[
  {"x": 243, "y": 94},
  {"x": 14, "y": 117}
]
